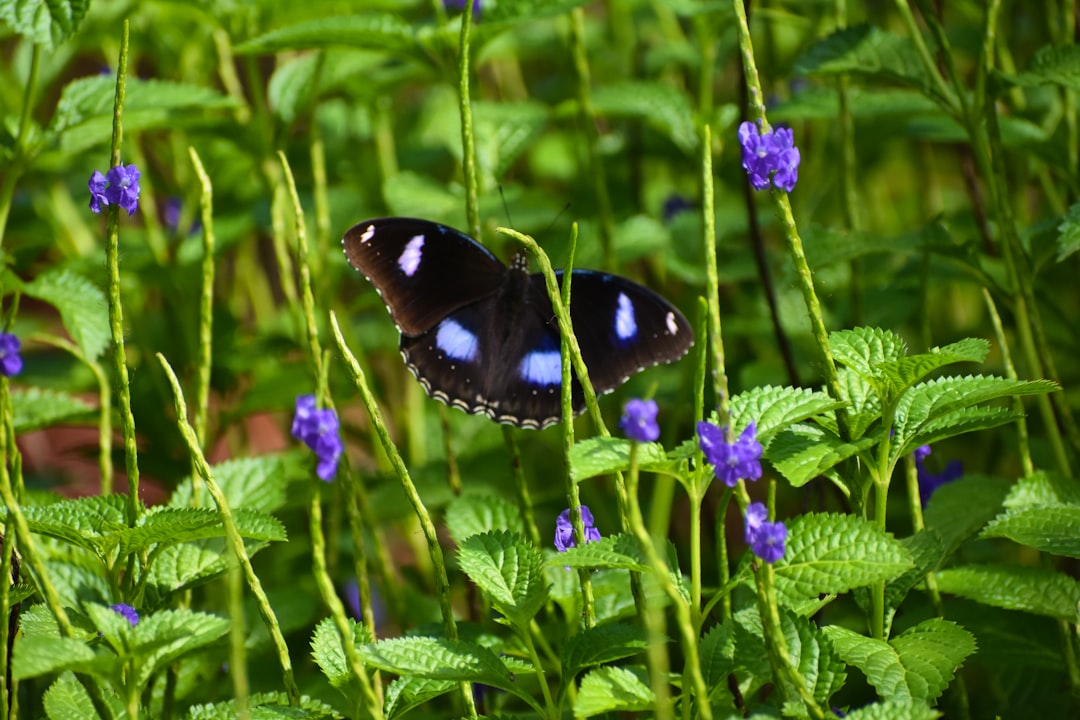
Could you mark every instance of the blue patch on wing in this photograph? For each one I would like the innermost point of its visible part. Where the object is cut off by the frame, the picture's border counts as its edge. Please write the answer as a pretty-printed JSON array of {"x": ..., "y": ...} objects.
[
  {"x": 457, "y": 342},
  {"x": 625, "y": 324},
  {"x": 541, "y": 367}
]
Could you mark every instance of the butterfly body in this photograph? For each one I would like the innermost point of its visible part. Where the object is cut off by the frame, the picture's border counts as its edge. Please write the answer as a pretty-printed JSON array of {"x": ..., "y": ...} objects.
[{"x": 483, "y": 337}]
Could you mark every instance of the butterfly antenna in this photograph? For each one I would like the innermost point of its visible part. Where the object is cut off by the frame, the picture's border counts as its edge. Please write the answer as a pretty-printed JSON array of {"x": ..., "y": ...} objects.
[{"x": 506, "y": 206}]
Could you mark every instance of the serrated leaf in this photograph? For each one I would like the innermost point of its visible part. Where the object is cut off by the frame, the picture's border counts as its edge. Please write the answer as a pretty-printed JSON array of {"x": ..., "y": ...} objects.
[
  {"x": 829, "y": 553},
  {"x": 605, "y": 455},
  {"x": 44, "y": 22},
  {"x": 658, "y": 104},
  {"x": 1040, "y": 591},
  {"x": 864, "y": 405},
  {"x": 959, "y": 509},
  {"x": 254, "y": 483},
  {"x": 469, "y": 515},
  {"x": 407, "y": 693},
  {"x": 37, "y": 408},
  {"x": 67, "y": 699},
  {"x": 612, "y": 689},
  {"x": 56, "y": 654},
  {"x": 895, "y": 376},
  {"x": 1042, "y": 488},
  {"x": 894, "y": 710},
  {"x": 602, "y": 644},
  {"x": 509, "y": 571},
  {"x": 716, "y": 652},
  {"x": 165, "y": 636},
  {"x": 329, "y": 654},
  {"x": 960, "y": 422},
  {"x": 862, "y": 348},
  {"x": 1068, "y": 240},
  {"x": 927, "y": 552},
  {"x": 915, "y": 666},
  {"x": 803, "y": 452},
  {"x": 266, "y": 706},
  {"x": 619, "y": 551},
  {"x": 1057, "y": 64},
  {"x": 868, "y": 51},
  {"x": 87, "y": 522},
  {"x": 169, "y": 526},
  {"x": 775, "y": 408},
  {"x": 81, "y": 305},
  {"x": 183, "y": 566},
  {"x": 1049, "y": 529},
  {"x": 369, "y": 31}
]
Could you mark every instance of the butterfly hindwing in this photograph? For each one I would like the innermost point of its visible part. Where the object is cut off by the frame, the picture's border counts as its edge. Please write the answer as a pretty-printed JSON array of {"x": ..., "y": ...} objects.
[{"x": 423, "y": 270}]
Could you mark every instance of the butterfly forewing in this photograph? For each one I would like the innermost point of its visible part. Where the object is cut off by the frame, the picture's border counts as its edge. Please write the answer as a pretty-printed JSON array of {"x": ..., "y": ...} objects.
[{"x": 424, "y": 271}]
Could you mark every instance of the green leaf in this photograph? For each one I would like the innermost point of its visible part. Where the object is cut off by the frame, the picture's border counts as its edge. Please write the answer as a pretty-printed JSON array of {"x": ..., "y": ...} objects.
[
  {"x": 1068, "y": 240},
  {"x": 369, "y": 31},
  {"x": 44, "y": 22},
  {"x": 717, "y": 653},
  {"x": 864, "y": 405},
  {"x": 927, "y": 552},
  {"x": 169, "y": 526},
  {"x": 504, "y": 130},
  {"x": 894, "y": 710},
  {"x": 265, "y": 706},
  {"x": 519, "y": 11},
  {"x": 829, "y": 553},
  {"x": 775, "y": 408},
  {"x": 618, "y": 551},
  {"x": 601, "y": 644},
  {"x": 88, "y": 522},
  {"x": 1056, "y": 64},
  {"x": 329, "y": 654},
  {"x": 509, "y": 571},
  {"x": 67, "y": 699},
  {"x": 1040, "y": 591},
  {"x": 658, "y": 104},
  {"x": 803, "y": 452},
  {"x": 868, "y": 51},
  {"x": 183, "y": 566},
  {"x": 960, "y": 509},
  {"x": 254, "y": 483},
  {"x": 82, "y": 308},
  {"x": 407, "y": 693},
  {"x": 1042, "y": 488},
  {"x": 895, "y": 376},
  {"x": 606, "y": 455},
  {"x": 56, "y": 654},
  {"x": 164, "y": 637},
  {"x": 1049, "y": 529},
  {"x": 610, "y": 690},
  {"x": 862, "y": 348},
  {"x": 915, "y": 666},
  {"x": 36, "y": 408},
  {"x": 469, "y": 515}
]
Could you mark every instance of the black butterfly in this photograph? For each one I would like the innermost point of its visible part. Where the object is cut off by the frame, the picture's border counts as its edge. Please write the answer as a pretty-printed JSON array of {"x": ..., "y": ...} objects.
[{"x": 482, "y": 337}]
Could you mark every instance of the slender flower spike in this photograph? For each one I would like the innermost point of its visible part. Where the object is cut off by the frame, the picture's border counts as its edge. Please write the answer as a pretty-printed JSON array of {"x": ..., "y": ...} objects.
[
  {"x": 928, "y": 481},
  {"x": 10, "y": 360},
  {"x": 766, "y": 539},
  {"x": 639, "y": 421},
  {"x": 564, "y": 529},
  {"x": 128, "y": 612},
  {"x": 769, "y": 153},
  {"x": 319, "y": 430},
  {"x": 123, "y": 189},
  {"x": 732, "y": 462}
]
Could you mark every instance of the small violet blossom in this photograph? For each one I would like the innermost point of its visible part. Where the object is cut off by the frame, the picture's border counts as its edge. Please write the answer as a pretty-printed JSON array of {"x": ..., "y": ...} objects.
[
  {"x": 127, "y": 611},
  {"x": 10, "y": 361},
  {"x": 119, "y": 187},
  {"x": 639, "y": 421},
  {"x": 319, "y": 430},
  {"x": 769, "y": 153},
  {"x": 564, "y": 529},
  {"x": 460, "y": 5},
  {"x": 928, "y": 481},
  {"x": 766, "y": 539},
  {"x": 740, "y": 460}
]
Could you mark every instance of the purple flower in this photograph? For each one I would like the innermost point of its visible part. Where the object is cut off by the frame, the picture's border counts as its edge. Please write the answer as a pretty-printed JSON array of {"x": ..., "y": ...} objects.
[
  {"x": 128, "y": 612},
  {"x": 564, "y": 529},
  {"x": 738, "y": 460},
  {"x": 123, "y": 189},
  {"x": 766, "y": 539},
  {"x": 928, "y": 481},
  {"x": 639, "y": 421},
  {"x": 319, "y": 430},
  {"x": 10, "y": 361},
  {"x": 768, "y": 153},
  {"x": 460, "y": 5}
]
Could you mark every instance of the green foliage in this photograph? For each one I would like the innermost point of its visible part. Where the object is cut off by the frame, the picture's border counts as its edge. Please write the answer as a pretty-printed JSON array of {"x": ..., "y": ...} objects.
[
  {"x": 612, "y": 689},
  {"x": 38, "y": 408},
  {"x": 508, "y": 570},
  {"x": 81, "y": 305}
]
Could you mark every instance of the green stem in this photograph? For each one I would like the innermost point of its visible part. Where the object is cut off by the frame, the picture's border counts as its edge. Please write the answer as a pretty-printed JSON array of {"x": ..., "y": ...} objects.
[
  {"x": 206, "y": 302},
  {"x": 232, "y": 535},
  {"x": 468, "y": 144},
  {"x": 712, "y": 277},
  {"x": 541, "y": 676},
  {"x": 14, "y": 169}
]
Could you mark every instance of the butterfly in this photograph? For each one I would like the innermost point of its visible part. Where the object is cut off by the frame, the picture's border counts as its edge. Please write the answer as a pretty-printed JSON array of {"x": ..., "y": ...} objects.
[{"x": 482, "y": 337}]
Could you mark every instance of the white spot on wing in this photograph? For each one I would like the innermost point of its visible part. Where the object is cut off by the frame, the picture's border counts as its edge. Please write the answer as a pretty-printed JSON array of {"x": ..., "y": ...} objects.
[
  {"x": 457, "y": 342},
  {"x": 625, "y": 325},
  {"x": 410, "y": 256},
  {"x": 368, "y": 234},
  {"x": 672, "y": 326},
  {"x": 541, "y": 368}
]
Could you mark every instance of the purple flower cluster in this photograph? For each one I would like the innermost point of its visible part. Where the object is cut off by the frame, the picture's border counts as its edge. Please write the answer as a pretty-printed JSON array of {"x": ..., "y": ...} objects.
[
  {"x": 319, "y": 430},
  {"x": 769, "y": 153},
  {"x": 564, "y": 529},
  {"x": 10, "y": 361},
  {"x": 129, "y": 613},
  {"x": 639, "y": 421},
  {"x": 928, "y": 481},
  {"x": 123, "y": 189},
  {"x": 740, "y": 460},
  {"x": 766, "y": 539}
]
